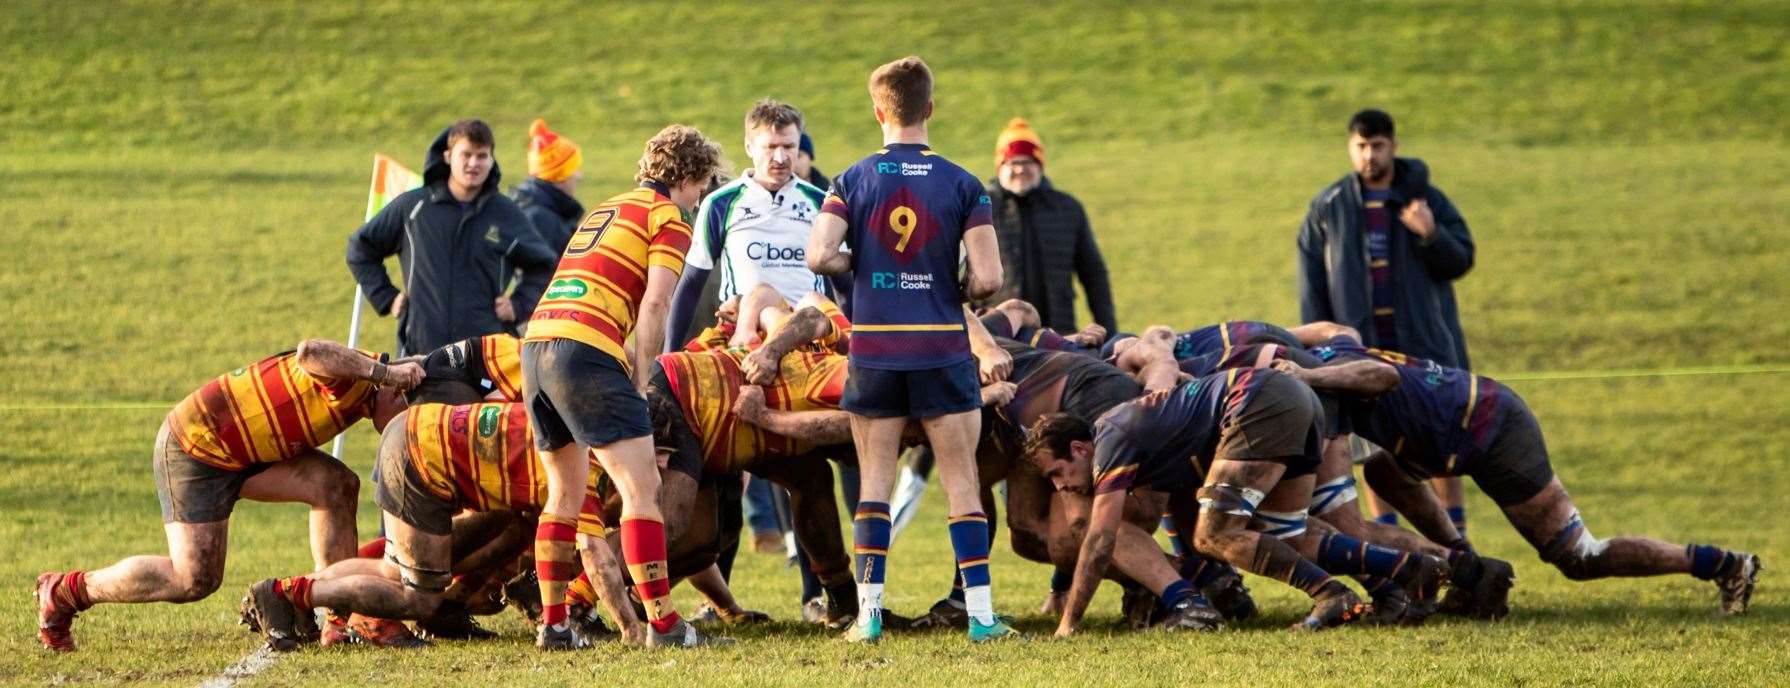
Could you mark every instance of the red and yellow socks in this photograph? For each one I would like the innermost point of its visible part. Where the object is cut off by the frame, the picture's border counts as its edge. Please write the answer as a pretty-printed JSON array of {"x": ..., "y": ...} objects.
[
  {"x": 556, "y": 563},
  {"x": 643, "y": 548}
]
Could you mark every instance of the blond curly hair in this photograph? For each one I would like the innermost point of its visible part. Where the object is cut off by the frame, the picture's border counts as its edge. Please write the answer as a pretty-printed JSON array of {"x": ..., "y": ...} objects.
[{"x": 677, "y": 155}]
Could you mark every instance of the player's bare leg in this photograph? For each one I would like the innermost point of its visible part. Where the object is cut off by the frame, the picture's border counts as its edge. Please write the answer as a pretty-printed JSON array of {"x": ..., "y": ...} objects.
[
  {"x": 633, "y": 466},
  {"x": 816, "y": 511},
  {"x": 556, "y": 559},
  {"x": 877, "y": 441},
  {"x": 328, "y": 486},
  {"x": 953, "y": 438},
  {"x": 1233, "y": 493},
  {"x": 1551, "y": 524}
]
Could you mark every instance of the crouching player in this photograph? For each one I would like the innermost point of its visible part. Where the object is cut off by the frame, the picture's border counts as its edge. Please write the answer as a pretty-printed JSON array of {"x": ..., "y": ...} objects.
[
  {"x": 247, "y": 434},
  {"x": 1443, "y": 421},
  {"x": 439, "y": 460},
  {"x": 1254, "y": 438}
]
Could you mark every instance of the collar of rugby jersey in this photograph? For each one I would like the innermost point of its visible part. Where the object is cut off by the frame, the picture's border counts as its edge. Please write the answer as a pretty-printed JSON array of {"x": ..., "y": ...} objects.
[{"x": 757, "y": 191}]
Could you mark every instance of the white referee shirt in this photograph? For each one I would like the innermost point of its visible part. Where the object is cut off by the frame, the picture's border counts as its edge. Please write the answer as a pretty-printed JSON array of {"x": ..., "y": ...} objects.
[{"x": 758, "y": 237}]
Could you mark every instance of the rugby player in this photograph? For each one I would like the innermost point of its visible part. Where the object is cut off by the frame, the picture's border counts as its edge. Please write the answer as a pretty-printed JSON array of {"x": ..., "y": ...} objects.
[
  {"x": 1045, "y": 527},
  {"x": 1443, "y": 421},
  {"x": 708, "y": 398},
  {"x": 621, "y": 265},
  {"x": 438, "y": 461},
  {"x": 1254, "y": 438},
  {"x": 1473, "y": 580},
  {"x": 247, "y": 434},
  {"x": 906, "y": 212}
]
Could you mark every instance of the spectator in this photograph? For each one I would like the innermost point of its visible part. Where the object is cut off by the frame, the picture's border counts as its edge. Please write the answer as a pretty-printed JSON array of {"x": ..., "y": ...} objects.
[
  {"x": 553, "y": 175},
  {"x": 1381, "y": 248},
  {"x": 454, "y": 238},
  {"x": 1379, "y": 251},
  {"x": 1045, "y": 238},
  {"x": 805, "y": 168}
]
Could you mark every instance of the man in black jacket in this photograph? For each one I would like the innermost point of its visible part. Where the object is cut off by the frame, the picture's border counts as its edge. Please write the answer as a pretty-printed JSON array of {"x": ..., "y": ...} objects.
[
  {"x": 1379, "y": 251},
  {"x": 1044, "y": 236},
  {"x": 454, "y": 239}
]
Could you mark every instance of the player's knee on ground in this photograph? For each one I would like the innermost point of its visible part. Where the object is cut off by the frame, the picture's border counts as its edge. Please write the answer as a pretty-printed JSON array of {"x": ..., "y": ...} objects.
[{"x": 1575, "y": 551}]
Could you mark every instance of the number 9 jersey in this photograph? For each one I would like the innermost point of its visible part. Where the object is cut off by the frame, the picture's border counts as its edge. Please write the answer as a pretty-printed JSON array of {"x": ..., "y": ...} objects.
[
  {"x": 595, "y": 294},
  {"x": 906, "y": 210}
]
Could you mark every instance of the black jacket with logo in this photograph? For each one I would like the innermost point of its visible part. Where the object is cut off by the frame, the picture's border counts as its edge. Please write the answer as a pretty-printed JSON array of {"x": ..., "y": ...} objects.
[{"x": 454, "y": 257}]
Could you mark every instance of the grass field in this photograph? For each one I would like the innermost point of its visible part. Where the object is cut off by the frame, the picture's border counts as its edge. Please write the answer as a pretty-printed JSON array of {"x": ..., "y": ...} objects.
[{"x": 181, "y": 179}]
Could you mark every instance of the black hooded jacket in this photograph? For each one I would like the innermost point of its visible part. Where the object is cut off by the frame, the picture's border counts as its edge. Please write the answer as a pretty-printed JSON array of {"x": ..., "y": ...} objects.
[
  {"x": 1334, "y": 282},
  {"x": 454, "y": 258},
  {"x": 555, "y": 213}
]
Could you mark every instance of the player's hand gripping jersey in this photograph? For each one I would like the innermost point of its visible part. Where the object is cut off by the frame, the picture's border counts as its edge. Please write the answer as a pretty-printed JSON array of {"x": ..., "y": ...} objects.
[
  {"x": 270, "y": 411},
  {"x": 492, "y": 363},
  {"x": 906, "y": 210},
  {"x": 706, "y": 382},
  {"x": 1438, "y": 420},
  {"x": 595, "y": 294}
]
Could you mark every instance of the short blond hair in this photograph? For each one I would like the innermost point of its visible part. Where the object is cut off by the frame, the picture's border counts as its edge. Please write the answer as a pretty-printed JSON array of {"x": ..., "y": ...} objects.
[
  {"x": 902, "y": 89},
  {"x": 677, "y": 155}
]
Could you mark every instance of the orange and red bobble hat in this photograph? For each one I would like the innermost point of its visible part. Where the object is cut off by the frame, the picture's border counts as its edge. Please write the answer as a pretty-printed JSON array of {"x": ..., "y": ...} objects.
[
  {"x": 551, "y": 157},
  {"x": 1016, "y": 140}
]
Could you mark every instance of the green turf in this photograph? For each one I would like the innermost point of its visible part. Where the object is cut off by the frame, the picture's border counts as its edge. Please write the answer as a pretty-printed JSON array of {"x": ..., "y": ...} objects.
[{"x": 180, "y": 179}]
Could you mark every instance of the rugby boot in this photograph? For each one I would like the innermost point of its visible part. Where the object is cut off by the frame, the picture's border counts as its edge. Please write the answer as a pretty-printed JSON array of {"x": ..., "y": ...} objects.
[
  {"x": 451, "y": 621},
  {"x": 272, "y": 615},
  {"x": 1478, "y": 587},
  {"x": 554, "y": 639},
  {"x": 705, "y": 613},
  {"x": 814, "y": 611},
  {"x": 866, "y": 629},
  {"x": 1137, "y": 608},
  {"x": 308, "y": 631},
  {"x": 945, "y": 613},
  {"x": 842, "y": 605},
  {"x": 1229, "y": 596},
  {"x": 1737, "y": 587},
  {"x": 684, "y": 634},
  {"x": 1191, "y": 614},
  {"x": 1389, "y": 603},
  {"x": 744, "y": 617},
  {"x": 55, "y": 615},
  {"x": 1334, "y": 606},
  {"x": 589, "y": 625},
  {"x": 523, "y": 593},
  {"x": 334, "y": 632},
  {"x": 999, "y": 630},
  {"x": 1421, "y": 579},
  {"x": 370, "y": 630}
]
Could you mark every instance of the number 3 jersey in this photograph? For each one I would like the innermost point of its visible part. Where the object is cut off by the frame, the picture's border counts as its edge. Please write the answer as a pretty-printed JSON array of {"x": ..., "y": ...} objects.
[
  {"x": 595, "y": 294},
  {"x": 906, "y": 210}
]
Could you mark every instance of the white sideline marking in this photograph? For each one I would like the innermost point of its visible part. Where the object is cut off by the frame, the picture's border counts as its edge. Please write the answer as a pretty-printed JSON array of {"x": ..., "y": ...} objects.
[{"x": 250, "y": 664}]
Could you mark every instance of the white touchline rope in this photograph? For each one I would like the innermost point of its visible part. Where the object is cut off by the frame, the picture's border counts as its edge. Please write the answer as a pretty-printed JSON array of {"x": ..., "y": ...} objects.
[
  {"x": 251, "y": 664},
  {"x": 1513, "y": 377}
]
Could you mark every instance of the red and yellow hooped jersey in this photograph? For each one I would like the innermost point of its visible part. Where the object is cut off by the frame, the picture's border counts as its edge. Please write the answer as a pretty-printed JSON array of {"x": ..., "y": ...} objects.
[
  {"x": 595, "y": 294},
  {"x": 268, "y": 411},
  {"x": 482, "y": 457},
  {"x": 707, "y": 383}
]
